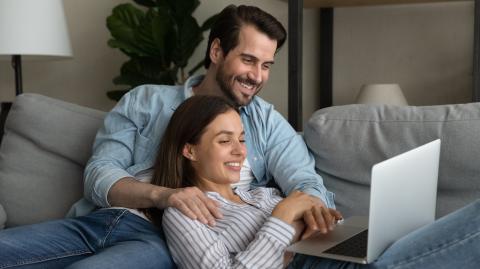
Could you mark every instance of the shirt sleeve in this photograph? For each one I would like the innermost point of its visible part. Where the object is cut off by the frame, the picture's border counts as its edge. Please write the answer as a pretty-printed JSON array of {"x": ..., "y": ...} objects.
[
  {"x": 194, "y": 245},
  {"x": 289, "y": 160},
  {"x": 113, "y": 150}
]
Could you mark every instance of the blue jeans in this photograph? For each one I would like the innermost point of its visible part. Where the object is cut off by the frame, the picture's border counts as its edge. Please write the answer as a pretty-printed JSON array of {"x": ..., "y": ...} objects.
[
  {"x": 106, "y": 238},
  {"x": 452, "y": 241}
]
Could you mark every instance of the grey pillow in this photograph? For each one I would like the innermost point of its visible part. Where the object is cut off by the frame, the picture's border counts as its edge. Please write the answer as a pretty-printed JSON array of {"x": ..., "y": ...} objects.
[
  {"x": 348, "y": 140},
  {"x": 46, "y": 145}
]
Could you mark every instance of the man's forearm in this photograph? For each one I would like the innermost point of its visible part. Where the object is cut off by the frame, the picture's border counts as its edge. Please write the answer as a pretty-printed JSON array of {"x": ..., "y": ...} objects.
[{"x": 131, "y": 193}]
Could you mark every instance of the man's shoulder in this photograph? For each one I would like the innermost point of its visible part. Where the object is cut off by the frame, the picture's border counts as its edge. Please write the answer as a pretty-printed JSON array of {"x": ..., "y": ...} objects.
[{"x": 156, "y": 91}]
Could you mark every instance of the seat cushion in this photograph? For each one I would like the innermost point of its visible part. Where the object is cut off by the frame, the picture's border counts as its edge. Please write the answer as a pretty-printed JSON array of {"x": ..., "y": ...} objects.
[
  {"x": 348, "y": 140},
  {"x": 43, "y": 152}
]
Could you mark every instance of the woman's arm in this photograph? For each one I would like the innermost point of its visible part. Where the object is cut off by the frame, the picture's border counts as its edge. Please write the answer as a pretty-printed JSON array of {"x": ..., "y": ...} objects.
[{"x": 194, "y": 245}]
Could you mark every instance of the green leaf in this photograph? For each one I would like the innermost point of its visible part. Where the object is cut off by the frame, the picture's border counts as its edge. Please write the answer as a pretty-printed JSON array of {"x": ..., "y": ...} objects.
[
  {"x": 123, "y": 23},
  {"x": 127, "y": 48},
  {"x": 189, "y": 37},
  {"x": 145, "y": 35},
  {"x": 141, "y": 71},
  {"x": 182, "y": 8},
  {"x": 146, "y": 3}
]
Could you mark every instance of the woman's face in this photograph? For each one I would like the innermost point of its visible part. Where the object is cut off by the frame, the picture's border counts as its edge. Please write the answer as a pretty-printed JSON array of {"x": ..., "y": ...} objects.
[{"x": 219, "y": 155}]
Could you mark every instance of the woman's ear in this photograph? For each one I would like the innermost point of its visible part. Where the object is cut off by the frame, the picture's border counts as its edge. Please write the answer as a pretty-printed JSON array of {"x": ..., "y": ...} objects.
[
  {"x": 189, "y": 152},
  {"x": 216, "y": 52}
]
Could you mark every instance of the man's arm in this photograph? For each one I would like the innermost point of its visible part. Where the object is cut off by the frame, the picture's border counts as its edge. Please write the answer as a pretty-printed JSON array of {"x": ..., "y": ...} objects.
[
  {"x": 289, "y": 161},
  {"x": 131, "y": 193},
  {"x": 107, "y": 182}
]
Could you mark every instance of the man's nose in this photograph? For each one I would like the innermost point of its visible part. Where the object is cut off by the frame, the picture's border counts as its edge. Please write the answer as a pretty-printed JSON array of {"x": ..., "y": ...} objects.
[{"x": 255, "y": 74}]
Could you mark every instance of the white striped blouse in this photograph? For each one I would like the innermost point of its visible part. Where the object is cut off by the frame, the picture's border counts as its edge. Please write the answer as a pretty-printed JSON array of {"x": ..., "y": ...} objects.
[{"x": 246, "y": 237}]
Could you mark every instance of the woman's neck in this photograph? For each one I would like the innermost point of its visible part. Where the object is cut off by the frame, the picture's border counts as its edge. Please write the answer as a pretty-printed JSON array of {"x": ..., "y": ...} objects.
[{"x": 225, "y": 190}]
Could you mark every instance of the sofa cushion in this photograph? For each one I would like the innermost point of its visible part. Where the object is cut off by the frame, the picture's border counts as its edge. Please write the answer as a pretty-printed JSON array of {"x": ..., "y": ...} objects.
[
  {"x": 348, "y": 140},
  {"x": 3, "y": 217},
  {"x": 43, "y": 152}
]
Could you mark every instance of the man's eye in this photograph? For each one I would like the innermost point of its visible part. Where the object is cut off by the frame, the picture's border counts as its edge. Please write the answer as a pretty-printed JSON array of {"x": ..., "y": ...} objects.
[
  {"x": 242, "y": 141},
  {"x": 224, "y": 141}
]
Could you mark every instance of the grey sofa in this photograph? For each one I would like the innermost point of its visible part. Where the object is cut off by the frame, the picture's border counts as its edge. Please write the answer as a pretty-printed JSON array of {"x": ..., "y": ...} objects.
[
  {"x": 43, "y": 152},
  {"x": 47, "y": 143}
]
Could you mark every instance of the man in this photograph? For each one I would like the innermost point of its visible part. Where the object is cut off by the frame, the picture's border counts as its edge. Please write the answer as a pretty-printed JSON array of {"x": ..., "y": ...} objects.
[{"x": 241, "y": 50}]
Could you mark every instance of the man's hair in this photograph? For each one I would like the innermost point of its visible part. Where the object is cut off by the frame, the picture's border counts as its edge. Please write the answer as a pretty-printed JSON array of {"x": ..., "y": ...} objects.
[
  {"x": 187, "y": 125},
  {"x": 231, "y": 19}
]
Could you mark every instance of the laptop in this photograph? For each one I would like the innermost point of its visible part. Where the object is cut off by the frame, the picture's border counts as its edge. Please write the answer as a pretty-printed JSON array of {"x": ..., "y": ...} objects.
[{"x": 403, "y": 197}]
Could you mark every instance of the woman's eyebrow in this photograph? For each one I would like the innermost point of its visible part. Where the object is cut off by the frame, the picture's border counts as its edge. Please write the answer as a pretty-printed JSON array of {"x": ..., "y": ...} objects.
[{"x": 228, "y": 133}]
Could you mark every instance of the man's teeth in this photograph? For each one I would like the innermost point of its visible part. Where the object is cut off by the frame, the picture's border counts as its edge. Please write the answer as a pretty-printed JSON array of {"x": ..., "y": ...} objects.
[
  {"x": 233, "y": 164},
  {"x": 248, "y": 86}
]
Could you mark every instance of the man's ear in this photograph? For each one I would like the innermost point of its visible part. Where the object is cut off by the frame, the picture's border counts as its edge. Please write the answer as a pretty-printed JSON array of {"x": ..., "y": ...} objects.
[
  {"x": 216, "y": 52},
  {"x": 189, "y": 152}
]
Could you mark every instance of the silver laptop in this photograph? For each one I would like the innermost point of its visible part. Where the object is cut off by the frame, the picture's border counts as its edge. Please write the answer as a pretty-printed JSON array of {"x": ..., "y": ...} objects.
[{"x": 402, "y": 199}]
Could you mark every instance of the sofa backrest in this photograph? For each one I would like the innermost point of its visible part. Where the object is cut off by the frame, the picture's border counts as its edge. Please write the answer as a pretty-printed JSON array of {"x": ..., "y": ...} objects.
[
  {"x": 46, "y": 145},
  {"x": 348, "y": 140}
]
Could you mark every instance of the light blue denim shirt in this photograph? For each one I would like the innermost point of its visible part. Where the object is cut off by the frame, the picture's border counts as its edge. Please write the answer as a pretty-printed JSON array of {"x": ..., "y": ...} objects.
[{"x": 128, "y": 142}]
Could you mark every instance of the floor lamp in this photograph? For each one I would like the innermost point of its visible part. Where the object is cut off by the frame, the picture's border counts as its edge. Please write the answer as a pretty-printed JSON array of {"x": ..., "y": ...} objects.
[{"x": 32, "y": 30}]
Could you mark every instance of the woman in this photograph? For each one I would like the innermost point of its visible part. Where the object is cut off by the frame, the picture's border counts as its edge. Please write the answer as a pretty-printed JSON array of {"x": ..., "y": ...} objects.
[{"x": 203, "y": 147}]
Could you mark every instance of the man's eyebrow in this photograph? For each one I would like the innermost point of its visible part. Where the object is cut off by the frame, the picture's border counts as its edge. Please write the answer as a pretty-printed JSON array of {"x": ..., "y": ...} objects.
[{"x": 253, "y": 57}]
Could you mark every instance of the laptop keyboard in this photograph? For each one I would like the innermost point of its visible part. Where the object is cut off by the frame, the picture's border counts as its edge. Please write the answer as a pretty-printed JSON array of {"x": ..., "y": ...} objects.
[{"x": 355, "y": 246}]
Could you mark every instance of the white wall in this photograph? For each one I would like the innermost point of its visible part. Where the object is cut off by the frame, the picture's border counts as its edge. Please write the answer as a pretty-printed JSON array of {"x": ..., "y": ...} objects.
[{"x": 426, "y": 48}]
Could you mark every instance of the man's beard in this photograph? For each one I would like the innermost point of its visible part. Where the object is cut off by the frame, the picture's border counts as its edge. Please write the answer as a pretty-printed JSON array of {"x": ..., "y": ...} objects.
[{"x": 223, "y": 82}]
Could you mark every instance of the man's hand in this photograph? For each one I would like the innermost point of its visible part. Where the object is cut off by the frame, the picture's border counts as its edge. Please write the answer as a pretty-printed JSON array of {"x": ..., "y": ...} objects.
[
  {"x": 192, "y": 202},
  {"x": 320, "y": 218}
]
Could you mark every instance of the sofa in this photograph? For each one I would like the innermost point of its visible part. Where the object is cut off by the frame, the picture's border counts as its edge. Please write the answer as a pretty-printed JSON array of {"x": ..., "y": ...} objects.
[{"x": 47, "y": 143}]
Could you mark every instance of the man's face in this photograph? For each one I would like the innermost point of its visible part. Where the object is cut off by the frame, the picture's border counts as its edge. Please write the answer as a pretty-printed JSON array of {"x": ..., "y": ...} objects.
[{"x": 243, "y": 72}]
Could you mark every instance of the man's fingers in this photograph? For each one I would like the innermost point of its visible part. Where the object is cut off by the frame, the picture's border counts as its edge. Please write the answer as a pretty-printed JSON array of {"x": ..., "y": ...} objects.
[
  {"x": 319, "y": 218},
  {"x": 336, "y": 214},
  {"x": 212, "y": 206},
  {"x": 203, "y": 206},
  {"x": 196, "y": 207},
  {"x": 312, "y": 227},
  {"x": 185, "y": 210},
  {"x": 329, "y": 218}
]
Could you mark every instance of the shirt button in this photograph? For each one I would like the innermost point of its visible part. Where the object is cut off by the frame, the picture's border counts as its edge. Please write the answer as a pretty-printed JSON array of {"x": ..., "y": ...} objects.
[{"x": 255, "y": 158}]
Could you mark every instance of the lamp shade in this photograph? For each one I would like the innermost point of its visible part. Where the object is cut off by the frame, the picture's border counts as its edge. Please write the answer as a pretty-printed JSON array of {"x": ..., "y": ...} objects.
[
  {"x": 387, "y": 94},
  {"x": 33, "y": 28}
]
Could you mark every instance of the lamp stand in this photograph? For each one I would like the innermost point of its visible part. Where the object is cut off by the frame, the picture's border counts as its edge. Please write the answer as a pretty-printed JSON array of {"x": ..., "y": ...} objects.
[
  {"x": 5, "y": 106},
  {"x": 17, "y": 66}
]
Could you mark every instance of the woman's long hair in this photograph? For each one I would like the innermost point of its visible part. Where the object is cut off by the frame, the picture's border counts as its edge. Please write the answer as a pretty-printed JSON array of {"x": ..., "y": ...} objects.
[{"x": 188, "y": 123}]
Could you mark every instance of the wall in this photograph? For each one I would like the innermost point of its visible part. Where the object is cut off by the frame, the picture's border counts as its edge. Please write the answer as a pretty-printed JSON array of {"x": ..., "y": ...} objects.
[{"x": 426, "y": 48}]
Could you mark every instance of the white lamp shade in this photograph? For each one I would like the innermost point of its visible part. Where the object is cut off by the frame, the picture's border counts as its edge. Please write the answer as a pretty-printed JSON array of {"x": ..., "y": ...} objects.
[
  {"x": 33, "y": 28},
  {"x": 386, "y": 94}
]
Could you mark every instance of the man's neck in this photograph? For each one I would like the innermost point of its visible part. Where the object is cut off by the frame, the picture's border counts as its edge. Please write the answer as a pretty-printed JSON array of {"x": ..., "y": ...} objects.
[{"x": 208, "y": 85}]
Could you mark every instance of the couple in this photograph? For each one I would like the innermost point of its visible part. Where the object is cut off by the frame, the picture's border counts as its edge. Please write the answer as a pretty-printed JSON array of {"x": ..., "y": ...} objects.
[{"x": 241, "y": 49}]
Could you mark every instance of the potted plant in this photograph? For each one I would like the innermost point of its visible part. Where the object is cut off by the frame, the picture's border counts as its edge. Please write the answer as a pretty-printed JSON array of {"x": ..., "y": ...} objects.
[{"x": 158, "y": 39}]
